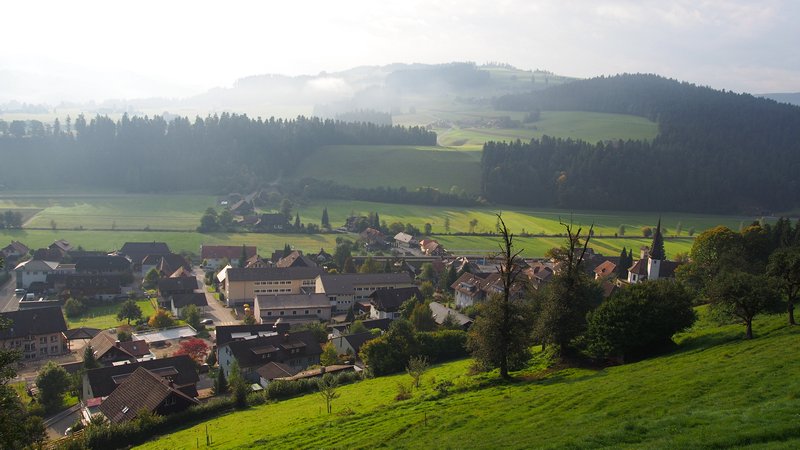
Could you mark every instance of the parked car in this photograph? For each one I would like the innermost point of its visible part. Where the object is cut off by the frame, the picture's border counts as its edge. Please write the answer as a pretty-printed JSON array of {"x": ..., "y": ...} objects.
[
  {"x": 206, "y": 322},
  {"x": 20, "y": 292}
]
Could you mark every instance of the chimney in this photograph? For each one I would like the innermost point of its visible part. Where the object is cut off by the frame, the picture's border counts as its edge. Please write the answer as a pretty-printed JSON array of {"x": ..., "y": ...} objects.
[
  {"x": 117, "y": 344},
  {"x": 322, "y": 370}
]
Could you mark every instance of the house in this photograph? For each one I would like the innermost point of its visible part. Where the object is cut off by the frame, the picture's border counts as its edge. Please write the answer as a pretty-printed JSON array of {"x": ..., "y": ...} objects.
[
  {"x": 176, "y": 302},
  {"x": 35, "y": 333},
  {"x": 431, "y": 247},
  {"x": 104, "y": 265},
  {"x": 295, "y": 259},
  {"x": 385, "y": 303},
  {"x": 323, "y": 257},
  {"x": 441, "y": 312},
  {"x": 471, "y": 289},
  {"x": 33, "y": 270},
  {"x": 241, "y": 285},
  {"x": 351, "y": 344},
  {"x": 292, "y": 308},
  {"x": 99, "y": 286},
  {"x": 144, "y": 390},
  {"x": 539, "y": 273},
  {"x": 182, "y": 272},
  {"x": 166, "y": 265},
  {"x": 272, "y": 223},
  {"x": 373, "y": 239},
  {"x": 370, "y": 324},
  {"x": 172, "y": 286},
  {"x": 179, "y": 370},
  {"x": 241, "y": 208},
  {"x": 344, "y": 290},
  {"x": 273, "y": 370},
  {"x": 214, "y": 255},
  {"x": 256, "y": 262},
  {"x": 604, "y": 270},
  {"x": 108, "y": 350},
  {"x": 137, "y": 251},
  {"x": 14, "y": 251},
  {"x": 404, "y": 240},
  {"x": 61, "y": 244},
  {"x": 296, "y": 350}
]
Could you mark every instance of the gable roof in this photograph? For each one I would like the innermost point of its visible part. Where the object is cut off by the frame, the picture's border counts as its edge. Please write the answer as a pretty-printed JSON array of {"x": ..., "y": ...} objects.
[
  {"x": 389, "y": 300},
  {"x": 232, "y": 252},
  {"x": 181, "y": 272},
  {"x": 476, "y": 286},
  {"x": 605, "y": 268},
  {"x": 49, "y": 254},
  {"x": 440, "y": 313},
  {"x": 259, "y": 351},
  {"x": 167, "y": 263},
  {"x": 358, "y": 339},
  {"x": 137, "y": 251},
  {"x": 228, "y": 333},
  {"x": 295, "y": 259},
  {"x": 142, "y": 390},
  {"x": 195, "y": 298},
  {"x": 405, "y": 238},
  {"x": 181, "y": 369},
  {"x": 114, "y": 263},
  {"x": 346, "y": 283},
  {"x": 62, "y": 244},
  {"x": 37, "y": 265},
  {"x": 273, "y": 273},
  {"x": 105, "y": 340},
  {"x": 639, "y": 267},
  {"x": 177, "y": 284},
  {"x": 17, "y": 247},
  {"x": 273, "y": 370},
  {"x": 25, "y": 322}
]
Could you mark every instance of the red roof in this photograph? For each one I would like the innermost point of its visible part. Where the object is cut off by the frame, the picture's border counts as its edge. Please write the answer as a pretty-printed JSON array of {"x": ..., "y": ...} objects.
[{"x": 226, "y": 251}]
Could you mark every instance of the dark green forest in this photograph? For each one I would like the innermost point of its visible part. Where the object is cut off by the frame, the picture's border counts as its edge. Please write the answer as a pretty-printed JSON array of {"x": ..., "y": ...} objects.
[
  {"x": 223, "y": 153},
  {"x": 716, "y": 151}
]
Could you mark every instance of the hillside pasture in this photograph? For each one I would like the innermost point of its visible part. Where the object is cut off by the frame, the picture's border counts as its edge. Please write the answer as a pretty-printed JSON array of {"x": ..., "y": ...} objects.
[
  {"x": 716, "y": 390},
  {"x": 370, "y": 166}
]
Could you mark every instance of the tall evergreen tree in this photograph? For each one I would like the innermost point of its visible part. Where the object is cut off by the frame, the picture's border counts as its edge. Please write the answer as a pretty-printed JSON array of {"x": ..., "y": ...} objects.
[
  {"x": 325, "y": 220},
  {"x": 657, "y": 247},
  {"x": 624, "y": 265},
  {"x": 297, "y": 221},
  {"x": 286, "y": 250}
]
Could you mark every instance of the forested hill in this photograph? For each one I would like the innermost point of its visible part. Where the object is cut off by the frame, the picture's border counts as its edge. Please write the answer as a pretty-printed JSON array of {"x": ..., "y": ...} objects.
[
  {"x": 224, "y": 153},
  {"x": 716, "y": 151}
]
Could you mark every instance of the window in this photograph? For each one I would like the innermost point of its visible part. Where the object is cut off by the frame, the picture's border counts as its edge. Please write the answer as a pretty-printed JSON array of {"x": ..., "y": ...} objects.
[
  {"x": 282, "y": 312},
  {"x": 319, "y": 311},
  {"x": 269, "y": 313},
  {"x": 306, "y": 313},
  {"x": 53, "y": 338},
  {"x": 294, "y": 313},
  {"x": 43, "y": 351},
  {"x": 43, "y": 340},
  {"x": 169, "y": 401},
  {"x": 54, "y": 349}
]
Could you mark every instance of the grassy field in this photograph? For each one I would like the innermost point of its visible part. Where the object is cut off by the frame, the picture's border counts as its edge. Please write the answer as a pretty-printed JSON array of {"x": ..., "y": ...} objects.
[
  {"x": 104, "y": 317},
  {"x": 369, "y": 166},
  {"x": 715, "y": 391}
]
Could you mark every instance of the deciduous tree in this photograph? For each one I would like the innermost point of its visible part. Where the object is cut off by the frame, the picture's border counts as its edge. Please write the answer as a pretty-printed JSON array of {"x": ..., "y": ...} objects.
[
  {"x": 129, "y": 311},
  {"x": 784, "y": 266},
  {"x": 742, "y": 296}
]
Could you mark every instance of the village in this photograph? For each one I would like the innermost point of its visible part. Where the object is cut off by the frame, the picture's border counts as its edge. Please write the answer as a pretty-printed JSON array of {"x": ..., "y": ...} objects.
[{"x": 286, "y": 315}]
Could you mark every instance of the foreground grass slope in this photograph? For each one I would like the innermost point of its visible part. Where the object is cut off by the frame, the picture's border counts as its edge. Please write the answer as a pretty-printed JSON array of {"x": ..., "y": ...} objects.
[{"x": 715, "y": 391}]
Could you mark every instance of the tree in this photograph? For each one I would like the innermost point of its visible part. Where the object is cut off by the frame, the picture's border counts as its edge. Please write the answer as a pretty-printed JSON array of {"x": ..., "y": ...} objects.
[
  {"x": 422, "y": 318},
  {"x": 53, "y": 225},
  {"x": 448, "y": 279},
  {"x": 390, "y": 352},
  {"x": 657, "y": 247},
  {"x": 53, "y": 382},
  {"x": 287, "y": 249},
  {"x": 621, "y": 230},
  {"x": 73, "y": 307},
  {"x": 325, "y": 222},
  {"x": 356, "y": 327},
  {"x": 191, "y": 314},
  {"x": 647, "y": 232},
  {"x": 329, "y": 356},
  {"x": 211, "y": 359},
  {"x": 161, "y": 319},
  {"x": 349, "y": 266},
  {"x": 713, "y": 251},
  {"x": 447, "y": 225},
  {"x": 130, "y": 311},
  {"x": 342, "y": 254},
  {"x": 195, "y": 348},
  {"x": 370, "y": 266},
  {"x": 784, "y": 266},
  {"x": 151, "y": 278},
  {"x": 319, "y": 330},
  {"x": 225, "y": 219},
  {"x": 351, "y": 315},
  {"x": 426, "y": 272},
  {"x": 472, "y": 224},
  {"x": 417, "y": 365},
  {"x": 249, "y": 318},
  {"x": 286, "y": 208},
  {"x": 426, "y": 288},
  {"x": 327, "y": 390},
  {"x": 220, "y": 383},
  {"x": 237, "y": 385},
  {"x": 428, "y": 229},
  {"x": 624, "y": 265},
  {"x": 639, "y": 320},
  {"x": 89, "y": 361},
  {"x": 297, "y": 224},
  {"x": 501, "y": 336},
  {"x": 243, "y": 257},
  {"x": 564, "y": 302},
  {"x": 742, "y": 296},
  {"x": 209, "y": 221}
]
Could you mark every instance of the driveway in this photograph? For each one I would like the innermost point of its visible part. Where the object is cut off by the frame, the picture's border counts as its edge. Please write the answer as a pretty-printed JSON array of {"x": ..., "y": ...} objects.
[
  {"x": 8, "y": 300},
  {"x": 219, "y": 313}
]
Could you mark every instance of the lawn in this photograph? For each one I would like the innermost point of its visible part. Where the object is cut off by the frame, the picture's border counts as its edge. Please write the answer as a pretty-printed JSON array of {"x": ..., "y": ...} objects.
[
  {"x": 104, "y": 317},
  {"x": 716, "y": 390}
]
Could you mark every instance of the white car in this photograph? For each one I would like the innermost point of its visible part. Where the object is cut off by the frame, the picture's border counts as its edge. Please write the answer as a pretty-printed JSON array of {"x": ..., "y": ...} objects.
[{"x": 206, "y": 322}]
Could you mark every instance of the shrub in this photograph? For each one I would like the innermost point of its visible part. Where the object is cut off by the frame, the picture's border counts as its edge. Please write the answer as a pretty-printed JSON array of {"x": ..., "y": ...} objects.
[
  {"x": 403, "y": 391},
  {"x": 74, "y": 308}
]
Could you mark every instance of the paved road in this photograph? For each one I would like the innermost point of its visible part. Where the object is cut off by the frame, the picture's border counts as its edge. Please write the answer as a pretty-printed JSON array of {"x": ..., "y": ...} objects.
[
  {"x": 216, "y": 310},
  {"x": 8, "y": 300}
]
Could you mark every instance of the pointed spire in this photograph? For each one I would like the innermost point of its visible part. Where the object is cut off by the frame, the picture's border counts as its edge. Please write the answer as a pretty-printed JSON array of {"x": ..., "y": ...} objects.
[{"x": 657, "y": 248}]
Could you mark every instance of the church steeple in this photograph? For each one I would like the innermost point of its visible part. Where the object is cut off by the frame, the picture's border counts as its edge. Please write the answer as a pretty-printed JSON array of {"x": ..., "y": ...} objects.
[{"x": 657, "y": 248}]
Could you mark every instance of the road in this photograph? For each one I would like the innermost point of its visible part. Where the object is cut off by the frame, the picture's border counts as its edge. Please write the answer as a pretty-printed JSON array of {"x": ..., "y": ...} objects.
[
  {"x": 216, "y": 310},
  {"x": 8, "y": 300}
]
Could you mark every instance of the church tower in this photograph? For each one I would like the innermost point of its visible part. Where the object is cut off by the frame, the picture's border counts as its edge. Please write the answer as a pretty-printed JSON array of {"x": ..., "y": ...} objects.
[{"x": 657, "y": 253}]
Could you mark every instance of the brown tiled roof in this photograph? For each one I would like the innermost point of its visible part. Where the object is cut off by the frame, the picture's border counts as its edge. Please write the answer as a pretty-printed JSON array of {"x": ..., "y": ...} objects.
[
  {"x": 295, "y": 259},
  {"x": 232, "y": 252},
  {"x": 639, "y": 267},
  {"x": 605, "y": 268},
  {"x": 142, "y": 390}
]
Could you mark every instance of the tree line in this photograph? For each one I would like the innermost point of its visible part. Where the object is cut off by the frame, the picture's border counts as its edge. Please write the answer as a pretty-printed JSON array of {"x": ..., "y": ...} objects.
[
  {"x": 716, "y": 151},
  {"x": 226, "y": 152}
]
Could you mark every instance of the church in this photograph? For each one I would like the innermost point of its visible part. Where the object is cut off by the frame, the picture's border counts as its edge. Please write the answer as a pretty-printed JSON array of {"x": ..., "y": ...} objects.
[{"x": 652, "y": 263}]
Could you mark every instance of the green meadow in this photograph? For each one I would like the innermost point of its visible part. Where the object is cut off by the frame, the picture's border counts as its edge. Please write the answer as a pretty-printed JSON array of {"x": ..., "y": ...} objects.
[
  {"x": 105, "y": 316},
  {"x": 716, "y": 390}
]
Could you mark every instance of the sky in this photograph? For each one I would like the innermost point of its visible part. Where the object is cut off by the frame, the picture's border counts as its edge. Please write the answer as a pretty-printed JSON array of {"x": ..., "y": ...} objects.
[{"x": 76, "y": 51}]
